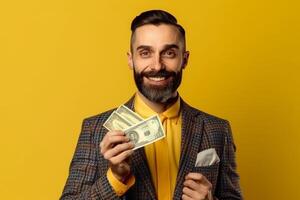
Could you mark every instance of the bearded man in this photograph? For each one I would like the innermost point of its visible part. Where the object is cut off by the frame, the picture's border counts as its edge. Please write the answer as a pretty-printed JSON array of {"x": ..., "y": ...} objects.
[{"x": 196, "y": 159}]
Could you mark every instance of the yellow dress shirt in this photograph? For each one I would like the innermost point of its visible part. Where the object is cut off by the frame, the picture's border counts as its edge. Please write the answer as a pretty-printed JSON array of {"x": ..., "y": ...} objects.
[{"x": 162, "y": 156}]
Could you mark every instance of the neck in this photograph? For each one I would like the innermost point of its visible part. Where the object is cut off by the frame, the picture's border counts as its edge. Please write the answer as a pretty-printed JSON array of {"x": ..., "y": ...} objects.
[{"x": 156, "y": 106}]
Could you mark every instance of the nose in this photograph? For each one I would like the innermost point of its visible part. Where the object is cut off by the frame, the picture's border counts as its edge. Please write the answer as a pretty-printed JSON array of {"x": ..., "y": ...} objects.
[{"x": 157, "y": 64}]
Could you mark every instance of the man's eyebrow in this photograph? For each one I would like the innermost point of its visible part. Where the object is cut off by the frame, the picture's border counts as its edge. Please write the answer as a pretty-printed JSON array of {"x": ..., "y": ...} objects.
[
  {"x": 166, "y": 47},
  {"x": 170, "y": 46},
  {"x": 143, "y": 47}
]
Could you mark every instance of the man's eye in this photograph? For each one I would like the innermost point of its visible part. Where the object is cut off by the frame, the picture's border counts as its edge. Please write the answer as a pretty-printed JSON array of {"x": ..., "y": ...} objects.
[
  {"x": 170, "y": 54},
  {"x": 145, "y": 53}
]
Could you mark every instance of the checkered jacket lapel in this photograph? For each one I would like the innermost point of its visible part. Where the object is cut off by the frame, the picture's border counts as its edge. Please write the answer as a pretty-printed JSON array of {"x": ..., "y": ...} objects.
[{"x": 190, "y": 142}]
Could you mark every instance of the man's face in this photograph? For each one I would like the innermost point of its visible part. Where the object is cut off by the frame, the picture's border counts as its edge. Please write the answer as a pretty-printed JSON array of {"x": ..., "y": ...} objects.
[{"x": 157, "y": 58}]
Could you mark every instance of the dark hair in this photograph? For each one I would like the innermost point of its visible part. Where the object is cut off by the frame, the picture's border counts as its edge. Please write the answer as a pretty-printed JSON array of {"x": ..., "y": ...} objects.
[{"x": 156, "y": 17}]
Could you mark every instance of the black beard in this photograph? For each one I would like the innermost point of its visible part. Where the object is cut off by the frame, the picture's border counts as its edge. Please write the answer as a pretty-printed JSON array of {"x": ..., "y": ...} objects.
[{"x": 158, "y": 94}]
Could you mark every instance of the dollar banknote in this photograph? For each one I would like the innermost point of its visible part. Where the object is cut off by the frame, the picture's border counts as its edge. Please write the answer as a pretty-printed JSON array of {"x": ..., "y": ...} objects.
[
  {"x": 129, "y": 115},
  {"x": 116, "y": 122},
  {"x": 121, "y": 119},
  {"x": 146, "y": 132},
  {"x": 140, "y": 131}
]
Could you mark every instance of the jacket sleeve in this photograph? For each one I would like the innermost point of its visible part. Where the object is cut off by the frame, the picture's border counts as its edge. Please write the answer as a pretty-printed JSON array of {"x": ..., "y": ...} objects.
[
  {"x": 84, "y": 181},
  {"x": 228, "y": 187}
]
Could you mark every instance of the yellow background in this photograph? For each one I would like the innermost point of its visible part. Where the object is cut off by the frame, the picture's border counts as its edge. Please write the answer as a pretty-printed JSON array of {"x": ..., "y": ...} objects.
[{"x": 62, "y": 61}]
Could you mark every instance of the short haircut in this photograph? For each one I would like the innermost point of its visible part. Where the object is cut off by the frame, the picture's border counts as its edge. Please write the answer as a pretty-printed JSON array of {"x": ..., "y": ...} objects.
[{"x": 155, "y": 17}]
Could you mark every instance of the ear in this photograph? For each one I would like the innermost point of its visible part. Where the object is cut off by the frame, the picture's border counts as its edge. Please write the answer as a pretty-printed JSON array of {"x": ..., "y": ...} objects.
[
  {"x": 130, "y": 61},
  {"x": 186, "y": 56}
]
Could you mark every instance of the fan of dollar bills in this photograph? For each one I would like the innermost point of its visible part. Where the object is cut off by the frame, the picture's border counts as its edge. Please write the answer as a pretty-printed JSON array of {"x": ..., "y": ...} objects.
[{"x": 141, "y": 131}]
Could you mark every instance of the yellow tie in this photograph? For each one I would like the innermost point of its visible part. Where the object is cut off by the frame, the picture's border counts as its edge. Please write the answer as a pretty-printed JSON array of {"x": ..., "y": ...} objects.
[
  {"x": 162, "y": 161},
  {"x": 167, "y": 156}
]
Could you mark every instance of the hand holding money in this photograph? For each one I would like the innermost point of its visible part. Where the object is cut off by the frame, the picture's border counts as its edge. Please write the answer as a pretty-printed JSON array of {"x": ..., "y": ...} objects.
[
  {"x": 116, "y": 147},
  {"x": 141, "y": 132},
  {"x": 127, "y": 132}
]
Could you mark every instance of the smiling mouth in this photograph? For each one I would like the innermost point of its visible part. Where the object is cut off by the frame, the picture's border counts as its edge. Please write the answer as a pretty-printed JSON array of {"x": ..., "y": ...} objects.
[{"x": 157, "y": 79}]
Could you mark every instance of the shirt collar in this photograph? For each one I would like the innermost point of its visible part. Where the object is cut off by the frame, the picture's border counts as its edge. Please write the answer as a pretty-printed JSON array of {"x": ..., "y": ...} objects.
[{"x": 145, "y": 111}]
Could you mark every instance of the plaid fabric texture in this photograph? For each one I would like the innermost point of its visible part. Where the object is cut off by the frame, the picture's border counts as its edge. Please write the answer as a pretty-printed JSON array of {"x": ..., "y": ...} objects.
[{"x": 200, "y": 131}]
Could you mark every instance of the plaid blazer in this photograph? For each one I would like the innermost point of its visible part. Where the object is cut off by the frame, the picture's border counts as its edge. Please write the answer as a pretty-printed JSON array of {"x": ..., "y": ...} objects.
[{"x": 87, "y": 176}]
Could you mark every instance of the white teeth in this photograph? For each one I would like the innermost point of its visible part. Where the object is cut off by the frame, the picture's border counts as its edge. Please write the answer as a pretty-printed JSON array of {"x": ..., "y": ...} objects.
[{"x": 157, "y": 78}]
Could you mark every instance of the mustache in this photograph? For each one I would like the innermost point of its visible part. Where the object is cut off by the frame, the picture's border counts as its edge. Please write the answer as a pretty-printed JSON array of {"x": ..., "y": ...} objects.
[{"x": 160, "y": 73}]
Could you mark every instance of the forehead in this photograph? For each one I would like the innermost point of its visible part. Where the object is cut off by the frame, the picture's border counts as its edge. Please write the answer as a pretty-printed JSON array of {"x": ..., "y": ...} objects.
[{"x": 156, "y": 36}]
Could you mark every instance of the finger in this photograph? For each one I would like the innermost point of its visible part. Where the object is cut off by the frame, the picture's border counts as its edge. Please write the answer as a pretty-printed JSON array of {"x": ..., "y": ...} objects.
[
  {"x": 111, "y": 133},
  {"x": 121, "y": 157},
  {"x": 118, "y": 149},
  {"x": 193, "y": 194},
  {"x": 185, "y": 197},
  {"x": 110, "y": 140},
  {"x": 198, "y": 177},
  {"x": 202, "y": 189},
  {"x": 114, "y": 133},
  {"x": 191, "y": 184},
  {"x": 194, "y": 176}
]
